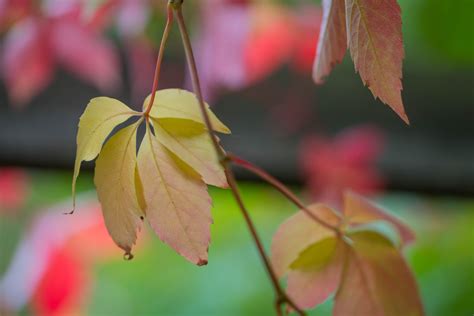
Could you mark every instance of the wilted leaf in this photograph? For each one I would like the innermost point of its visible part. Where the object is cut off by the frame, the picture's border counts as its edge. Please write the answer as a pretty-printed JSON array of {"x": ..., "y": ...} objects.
[
  {"x": 374, "y": 29},
  {"x": 115, "y": 182},
  {"x": 182, "y": 104},
  {"x": 376, "y": 280},
  {"x": 197, "y": 151},
  {"x": 100, "y": 117},
  {"x": 178, "y": 205},
  {"x": 332, "y": 44}
]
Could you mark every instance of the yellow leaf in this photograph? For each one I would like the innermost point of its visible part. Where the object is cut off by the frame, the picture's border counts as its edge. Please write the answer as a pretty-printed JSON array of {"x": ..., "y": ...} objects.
[
  {"x": 196, "y": 151},
  {"x": 316, "y": 274},
  {"x": 298, "y": 233},
  {"x": 115, "y": 182},
  {"x": 101, "y": 116},
  {"x": 178, "y": 205},
  {"x": 182, "y": 104}
]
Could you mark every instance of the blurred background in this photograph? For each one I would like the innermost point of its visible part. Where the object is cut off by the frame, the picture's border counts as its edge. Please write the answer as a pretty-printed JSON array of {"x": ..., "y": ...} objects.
[{"x": 255, "y": 59}]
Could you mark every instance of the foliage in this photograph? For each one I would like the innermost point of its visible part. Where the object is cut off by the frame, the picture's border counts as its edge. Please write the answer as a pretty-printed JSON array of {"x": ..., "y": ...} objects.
[
  {"x": 322, "y": 251},
  {"x": 163, "y": 183}
]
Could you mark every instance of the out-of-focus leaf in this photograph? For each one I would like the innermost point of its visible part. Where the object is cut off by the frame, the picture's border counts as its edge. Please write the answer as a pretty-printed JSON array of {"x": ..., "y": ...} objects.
[
  {"x": 376, "y": 280},
  {"x": 331, "y": 166},
  {"x": 320, "y": 264},
  {"x": 363, "y": 266},
  {"x": 358, "y": 210},
  {"x": 85, "y": 53},
  {"x": 297, "y": 233},
  {"x": 26, "y": 60}
]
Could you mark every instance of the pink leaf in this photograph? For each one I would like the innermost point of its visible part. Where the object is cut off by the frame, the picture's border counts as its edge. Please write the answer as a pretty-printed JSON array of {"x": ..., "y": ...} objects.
[
  {"x": 26, "y": 62},
  {"x": 332, "y": 44},
  {"x": 374, "y": 29},
  {"x": 376, "y": 280},
  {"x": 347, "y": 161},
  {"x": 85, "y": 53},
  {"x": 359, "y": 210}
]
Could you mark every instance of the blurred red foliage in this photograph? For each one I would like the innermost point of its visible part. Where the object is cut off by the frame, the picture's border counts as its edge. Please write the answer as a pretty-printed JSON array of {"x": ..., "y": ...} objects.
[{"x": 348, "y": 161}]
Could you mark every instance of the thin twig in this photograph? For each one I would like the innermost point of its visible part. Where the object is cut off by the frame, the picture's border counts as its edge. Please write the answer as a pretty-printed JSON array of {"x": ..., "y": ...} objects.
[
  {"x": 281, "y": 295},
  {"x": 282, "y": 188},
  {"x": 159, "y": 60}
]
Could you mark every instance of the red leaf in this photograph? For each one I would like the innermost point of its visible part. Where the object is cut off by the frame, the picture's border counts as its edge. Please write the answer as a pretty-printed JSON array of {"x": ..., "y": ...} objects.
[
  {"x": 374, "y": 29},
  {"x": 347, "y": 161},
  {"x": 85, "y": 53},
  {"x": 332, "y": 44},
  {"x": 26, "y": 61}
]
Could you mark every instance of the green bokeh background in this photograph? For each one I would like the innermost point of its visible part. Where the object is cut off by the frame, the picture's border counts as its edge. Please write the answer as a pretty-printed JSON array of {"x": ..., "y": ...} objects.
[{"x": 159, "y": 282}]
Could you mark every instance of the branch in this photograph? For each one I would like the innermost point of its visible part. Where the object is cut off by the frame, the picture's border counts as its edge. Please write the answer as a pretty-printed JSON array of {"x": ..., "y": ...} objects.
[
  {"x": 281, "y": 295},
  {"x": 282, "y": 189}
]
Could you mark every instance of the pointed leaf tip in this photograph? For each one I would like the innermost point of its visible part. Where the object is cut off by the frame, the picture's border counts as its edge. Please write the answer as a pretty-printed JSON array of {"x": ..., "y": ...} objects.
[
  {"x": 100, "y": 117},
  {"x": 115, "y": 182},
  {"x": 374, "y": 31},
  {"x": 178, "y": 205}
]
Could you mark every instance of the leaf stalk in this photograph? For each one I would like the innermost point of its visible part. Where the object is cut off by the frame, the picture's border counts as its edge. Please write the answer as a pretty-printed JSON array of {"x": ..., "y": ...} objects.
[
  {"x": 159, "y": 60},
  {"x": 282, "y": 297}
]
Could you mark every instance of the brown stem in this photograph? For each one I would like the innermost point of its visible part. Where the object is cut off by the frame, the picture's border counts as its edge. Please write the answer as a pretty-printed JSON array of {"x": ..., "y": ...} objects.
[
  {"x": 280, "y": 187},
  {"x": 281, "y": 295},
  {"x": 159, "y": 60}
]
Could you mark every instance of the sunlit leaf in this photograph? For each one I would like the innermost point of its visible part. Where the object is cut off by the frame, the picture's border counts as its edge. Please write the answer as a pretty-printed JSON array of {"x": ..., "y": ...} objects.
[
  {"x": 100, "y": 117},
  {"x": 374, "y": 29},
  {"x": 197, "y": 151},
  {"x": 332, "y": 44},
  {"x": 115, "y": 182},
  {"x": 178, "y": 205},
  {"x": 182, "y": 104}
]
